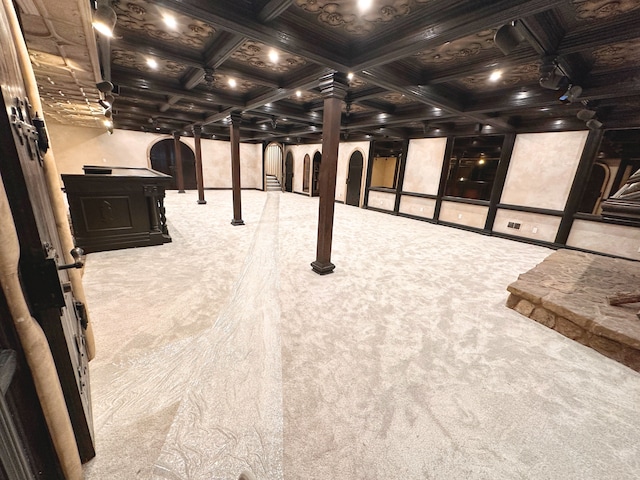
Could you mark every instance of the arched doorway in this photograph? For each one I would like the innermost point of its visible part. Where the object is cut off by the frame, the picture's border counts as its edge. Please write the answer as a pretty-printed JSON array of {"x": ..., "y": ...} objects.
[
  {"x": 315, "y": 179},
  {"x": 288, "y": 173},
  {"x": 163, "y": 159},
  {"x": 307, "y": 173},
  {"x": 595, "y": 188},
  {"x": 354, "y": 179},
  {"x": 273, "y": 166}
]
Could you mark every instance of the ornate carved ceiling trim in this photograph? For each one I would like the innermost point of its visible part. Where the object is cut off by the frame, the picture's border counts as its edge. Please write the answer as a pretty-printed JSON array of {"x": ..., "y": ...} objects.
[
  {"x": 346, "y": 15},
  {"x": 461, "y": 48},
  {"x": 397, "y": 98},
  {"x": 256, "y": 54},
  {"x": 623, "y": 53},
  {"x": 145, "y": 17},
  {"x": 603, "y": 9},
  {"x": 520, "y": 75},
  {"x": 136, "y": 61}
]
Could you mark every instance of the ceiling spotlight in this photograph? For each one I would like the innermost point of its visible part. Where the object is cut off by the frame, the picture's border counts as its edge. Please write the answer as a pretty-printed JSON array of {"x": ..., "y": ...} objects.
[
  {"x": 572, "y": 94},
  {"x": 350, "y": 76},
  {"x": 170, "y": 21},
  {"x": 104, "y": 87},
  {"x": 104, "y": 20},
  {"x": 233, "y": 83},
  {"x": 152, "y": 63},
  {"x": 298, "y": 94},
  {"x": 495, "y": 76},
  {"x": 507, "y": 38},
  {"x": 364, "y": 5},
  {"x": 104, "y": 104},
  {"x": 108, "y": 123},
  {"x": 273, "y": 56},
  {"x": 585, "y": 114}
]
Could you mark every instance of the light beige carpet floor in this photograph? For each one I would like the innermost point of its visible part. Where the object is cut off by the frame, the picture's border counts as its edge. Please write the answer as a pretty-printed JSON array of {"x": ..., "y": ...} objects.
[{"x": 223, "y": 351}]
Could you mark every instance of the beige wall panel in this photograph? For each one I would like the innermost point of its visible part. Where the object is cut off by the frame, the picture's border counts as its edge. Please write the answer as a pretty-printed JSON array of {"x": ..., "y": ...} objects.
[
  {"x": 77, "y": 146},
  {"x": 606, "y": 238},
  {"x": 382, "y": 200},
  {"x": 345, "y": 150},
  {"x": 216, "y": 162},
  {"x": 250, "y": 165},
  {"x": 418, "y": 206},
  {"x": 424, "y": 165},
  {"x": 464, "y": 214},
  {"x": 536, "y": 226},
  {"x": 542, "y": 169}
]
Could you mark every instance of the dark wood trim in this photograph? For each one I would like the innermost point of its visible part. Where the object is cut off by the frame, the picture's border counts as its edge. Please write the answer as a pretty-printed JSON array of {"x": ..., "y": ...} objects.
[
  {"x": 304, "y": 194},
  {"x": 444, "y": 174},
  {"x": 521, "y": 208},
  {"x": 499, "y": 179},
  {"x": 540, "y": 243},
  {"x": 460, "y": 226},
  {"x": 400, "y": 178},
  {"x": 416, "y": 217},
  {"x": 178, "y": 154},
  {"x": 383, "y": 190},
  {"x": 381, "y": 210},
  {"x": 420, "y": 195},
  {"x": 339, "y": 201},
  {"x": 469, "y": 201},
  {"x": 197, "y": 133},
  {"x": 585, "y": 165},
  {"x": 599, "y": 219}
]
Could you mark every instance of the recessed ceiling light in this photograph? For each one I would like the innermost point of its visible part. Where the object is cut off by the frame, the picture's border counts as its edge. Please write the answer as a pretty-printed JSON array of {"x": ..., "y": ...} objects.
[
  {"x": 436, "y": 109},
  {"x": 108, "y": 123},
  {"x": 298, "y": 94},
  {"x": 232, "y": 83},
  {"x": 364, "y": 5},
  {"x": 152, "y": 63},
  {"x": 350, "y": 75},
  {"x": 273, "y": 56},
  {"x": 170, "y": 21},
  {"x": 495, "y": 75}
]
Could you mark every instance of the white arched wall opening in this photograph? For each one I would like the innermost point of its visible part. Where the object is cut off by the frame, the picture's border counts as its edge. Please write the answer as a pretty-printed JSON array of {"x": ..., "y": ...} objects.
[{"x": 273, "y": 158}]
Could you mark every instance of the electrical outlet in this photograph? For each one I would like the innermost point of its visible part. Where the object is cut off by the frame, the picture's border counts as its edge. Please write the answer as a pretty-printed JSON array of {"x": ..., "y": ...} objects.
[
  {"x": 459, "y": 216},
  {"x": 534, "y": 230},
  {"x": 516, "y": 226},
  {"x": 422, "y": 209},
  {"x": 510, "y": 225}
]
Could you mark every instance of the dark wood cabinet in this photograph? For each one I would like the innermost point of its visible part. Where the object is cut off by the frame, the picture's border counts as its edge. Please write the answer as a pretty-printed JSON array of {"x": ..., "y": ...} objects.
[{"x": 117, "y": 207}]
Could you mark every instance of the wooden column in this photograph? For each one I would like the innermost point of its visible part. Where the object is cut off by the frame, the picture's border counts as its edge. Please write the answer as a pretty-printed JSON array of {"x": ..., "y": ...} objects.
[
  {"x": 197, "y": 133},
  {"x": 178, "y": 152},
  {"x": 334, "y": 88},
  {"x": 236, "y": 118}
]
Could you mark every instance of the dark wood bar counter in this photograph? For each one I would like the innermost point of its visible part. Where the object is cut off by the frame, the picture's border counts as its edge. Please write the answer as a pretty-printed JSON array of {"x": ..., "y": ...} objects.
[{"x": 117, "y": 207}]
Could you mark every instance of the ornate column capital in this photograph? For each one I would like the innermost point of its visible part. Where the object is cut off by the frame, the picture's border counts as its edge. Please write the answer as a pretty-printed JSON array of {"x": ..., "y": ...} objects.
[
  {"x": 197, "y": 130},
  {"x": 176, "y": 136},
  {"x": 334, "y": 85},
  {"x": 236, "y": 118}
]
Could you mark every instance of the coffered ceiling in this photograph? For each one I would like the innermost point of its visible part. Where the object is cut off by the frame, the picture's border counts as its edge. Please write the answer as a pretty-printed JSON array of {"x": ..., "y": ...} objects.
[{"x": 420, "y": 67}]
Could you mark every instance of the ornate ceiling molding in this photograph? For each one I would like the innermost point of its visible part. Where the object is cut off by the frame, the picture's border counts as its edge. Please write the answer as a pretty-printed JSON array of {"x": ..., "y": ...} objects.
[
  {"x": 256, "y": 54},
  {"x": 397, "y": 98},
  {"x": 145, "y": 17},
  {"x": 618, "y": 54},
  {"x": 345, "y": 14},
  {"x": 461, "y": 48},
  {"x": 133, "y": 60},
  {"x": 603, "y": 9},
  {"x": 520, "y": 75}
]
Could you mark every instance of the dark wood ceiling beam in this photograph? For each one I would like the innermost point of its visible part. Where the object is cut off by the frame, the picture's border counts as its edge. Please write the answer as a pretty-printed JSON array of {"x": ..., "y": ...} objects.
[
  {"x": 448, "y": 24},
  {"x": 222, "y": 48},
  {"x": 273, "y": 9},
  {"x": 369, "y": 93},
  {"x": 225, "y": 16}
]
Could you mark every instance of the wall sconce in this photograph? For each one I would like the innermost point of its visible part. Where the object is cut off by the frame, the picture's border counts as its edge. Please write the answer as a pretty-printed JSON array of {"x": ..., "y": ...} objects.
[{"x": 104, "y": 20}]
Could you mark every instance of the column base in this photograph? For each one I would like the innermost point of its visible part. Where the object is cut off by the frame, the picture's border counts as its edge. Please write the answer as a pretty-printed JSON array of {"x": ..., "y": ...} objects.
[
  {"x": 235, "y": 222},
  {"x": 181, "y": 191},
  {"x": 322, "y": 268},
  {"x": 202, "y": 202}
]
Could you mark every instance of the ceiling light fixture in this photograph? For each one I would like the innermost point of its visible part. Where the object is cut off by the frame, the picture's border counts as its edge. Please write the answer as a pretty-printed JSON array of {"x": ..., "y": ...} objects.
[
  {"x": 507, "y": 38},
  {"x": 233, "y": 83},
  {"x": 108, "y": 123},
  {"x": 104, "y": 20},
  {"x": 152, "y": 63},
  {"x": 170, "y": 21},
  {"x": 364, "y": 5},
  {"x": 273, "y": 56},
  {"x": 495, "y": 75},
  {"x": 350, "y": 76},
  {"x": 298, "y": 94}
]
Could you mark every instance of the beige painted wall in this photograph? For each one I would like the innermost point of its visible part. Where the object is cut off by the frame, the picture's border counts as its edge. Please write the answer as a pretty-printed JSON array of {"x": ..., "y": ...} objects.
[
  {"x": 535, "y": 226},
  {"x": 606, "y": 238},
  {"x": 418, "y": 206},
  {"x": 424, "y": 165},
  {"x": 77, "y": 146},
  {"x": 382, "y": 200},
  {"x": 384, "y": 172},
  {"x": 464, "y": 214},
  {"x": 542, "y": 169}
]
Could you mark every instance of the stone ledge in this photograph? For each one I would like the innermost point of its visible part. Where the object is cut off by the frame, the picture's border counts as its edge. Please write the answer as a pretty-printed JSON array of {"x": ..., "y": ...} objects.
[{"x": 567, "y": 293}]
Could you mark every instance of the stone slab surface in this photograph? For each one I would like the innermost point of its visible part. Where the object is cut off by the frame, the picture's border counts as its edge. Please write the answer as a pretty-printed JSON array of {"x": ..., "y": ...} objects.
[{"x": 568, "y": 292}]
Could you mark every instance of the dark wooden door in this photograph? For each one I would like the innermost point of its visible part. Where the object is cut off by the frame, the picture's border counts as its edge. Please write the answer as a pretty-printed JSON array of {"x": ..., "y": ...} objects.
[
  {"x": 47, "y": 289},
  {"x": 288, "y": 179},
  {"x": 163, "y": 159},
  {"x": 354, "y": 179}
]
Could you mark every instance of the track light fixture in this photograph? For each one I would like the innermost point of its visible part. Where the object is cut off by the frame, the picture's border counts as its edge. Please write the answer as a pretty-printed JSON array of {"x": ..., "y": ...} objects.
[
  {"x": 104, "y": 86},
  {"x": 585, "y": 114},
  {"x": 507, "y": 38},
  {"x": 594, "y": 124},
  {"x": 104, "y": 19},
  {"x": 572, "y": 94}
]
